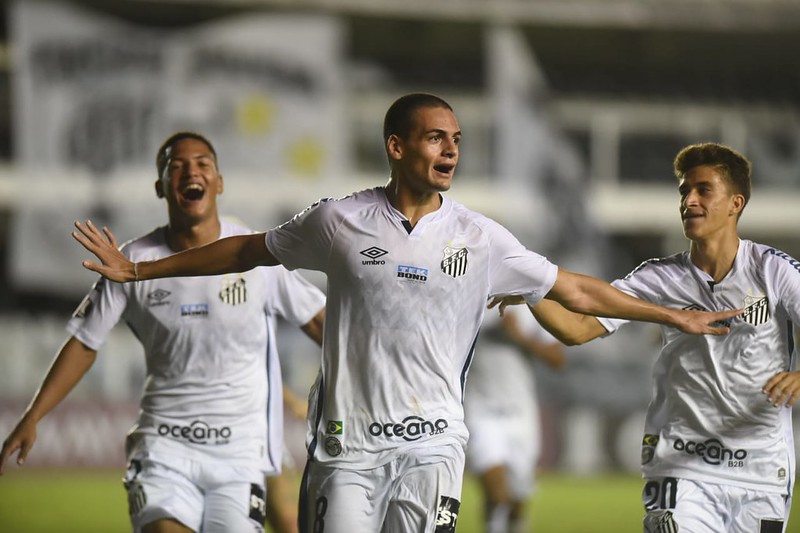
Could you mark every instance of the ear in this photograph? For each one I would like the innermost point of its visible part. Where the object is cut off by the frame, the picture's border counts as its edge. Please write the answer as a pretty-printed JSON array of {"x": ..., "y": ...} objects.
[
  {"x": 394, "y": 147},
  {"x": 220, "y": 185},
  {"x": 159, "y": 189},
  {"x": 737, "y": 204}
]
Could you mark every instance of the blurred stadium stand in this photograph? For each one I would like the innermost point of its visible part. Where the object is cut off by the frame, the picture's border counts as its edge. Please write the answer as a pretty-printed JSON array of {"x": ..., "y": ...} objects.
[{"x": 628, "y": 83}]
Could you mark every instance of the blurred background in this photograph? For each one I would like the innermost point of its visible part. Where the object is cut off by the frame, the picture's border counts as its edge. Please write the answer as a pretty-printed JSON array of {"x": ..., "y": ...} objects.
[{"x": 572, "y": 111}]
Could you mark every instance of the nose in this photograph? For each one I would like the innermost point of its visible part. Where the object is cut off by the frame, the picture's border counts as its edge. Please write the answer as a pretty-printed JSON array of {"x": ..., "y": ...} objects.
[
  {"x": 689, "y": 199},
  {"x": 190, "y": 168},
  {"x": 450, "y": 149}
]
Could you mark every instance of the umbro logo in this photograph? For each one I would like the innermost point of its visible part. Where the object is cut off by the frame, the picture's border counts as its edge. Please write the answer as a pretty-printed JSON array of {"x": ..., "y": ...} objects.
[
  {"x": 157, "y": 297},
  {"x": 373, "y": 252}
]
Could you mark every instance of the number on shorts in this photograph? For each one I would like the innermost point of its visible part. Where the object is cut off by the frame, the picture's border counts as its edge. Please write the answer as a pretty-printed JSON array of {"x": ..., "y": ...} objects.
[
  {"x": 661, "y": 494},
  {"x": 319, "y": 514}
]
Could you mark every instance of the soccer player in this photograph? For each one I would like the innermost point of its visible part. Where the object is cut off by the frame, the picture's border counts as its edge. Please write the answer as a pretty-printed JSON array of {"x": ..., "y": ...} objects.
[
  {"x": 210, "y": 421},
  {"x": 717, "y": 452},
  {"x": 501, "y": 411},
  {"x": 408, "y": 275}
]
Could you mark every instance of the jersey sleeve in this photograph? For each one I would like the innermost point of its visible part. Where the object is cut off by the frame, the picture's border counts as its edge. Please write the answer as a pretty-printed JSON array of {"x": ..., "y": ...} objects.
[
  {"x": 784, "y": 272},
  {"x": 515, "y": 270},
  {"x": 297, "y": 300},
  {"x": 305, "y": 240},
  {"x": 643, "y": 283},
  {"x": 98, "y": 313}
]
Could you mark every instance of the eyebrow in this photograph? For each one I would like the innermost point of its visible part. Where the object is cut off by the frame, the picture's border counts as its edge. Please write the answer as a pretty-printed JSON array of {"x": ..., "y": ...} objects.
[{"x": 443, "y": 132}]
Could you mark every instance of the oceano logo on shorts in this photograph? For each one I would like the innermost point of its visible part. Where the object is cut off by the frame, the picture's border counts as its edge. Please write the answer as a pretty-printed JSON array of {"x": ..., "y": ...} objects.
[
  {"x": 411, "y": 428},
  {"x": 712, "y": 451},
  {"x": 197, "y": 432}
]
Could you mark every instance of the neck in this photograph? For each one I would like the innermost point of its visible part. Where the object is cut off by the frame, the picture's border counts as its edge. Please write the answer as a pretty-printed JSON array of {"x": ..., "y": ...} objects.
[
  {"x": 715, "y": 257},
  {"x": 182, "y": 235},
  {"x": 412, "y": 204}
]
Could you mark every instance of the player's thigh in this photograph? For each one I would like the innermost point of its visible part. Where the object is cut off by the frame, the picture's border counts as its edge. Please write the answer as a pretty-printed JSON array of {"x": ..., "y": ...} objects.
[
  {"x": 761, "y": 512},
  {"x": 697, "y": 507},
  {"x": 336, "y": 500},
  {"x": 674, "y": 504},
  {"x": 166, "y": 525},
  {"x": 161, "y": 495},
  {"x": 235, "y": 507},
  {"x": 426, "y": 496}
]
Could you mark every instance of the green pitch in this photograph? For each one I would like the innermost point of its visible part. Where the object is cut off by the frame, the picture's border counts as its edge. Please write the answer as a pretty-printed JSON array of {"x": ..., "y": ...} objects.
[{"x": 58, "y": 501}]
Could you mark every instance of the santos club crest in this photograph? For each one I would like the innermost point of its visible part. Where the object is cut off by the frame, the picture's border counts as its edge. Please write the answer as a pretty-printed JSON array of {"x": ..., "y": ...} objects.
[
  {"x": 234, "y": 291},
  {"x": 455, "y": 261},
  {"x": 756, "y": 310}
]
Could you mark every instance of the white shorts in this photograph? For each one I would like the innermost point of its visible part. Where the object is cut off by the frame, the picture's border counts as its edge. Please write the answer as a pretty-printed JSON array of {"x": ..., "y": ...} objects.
[
  {"x": 675, "y": 504},
  {"x": 212, "y": 497},
  {"x": 419, "y": 491},
  {"x": 511, "y": 441}
]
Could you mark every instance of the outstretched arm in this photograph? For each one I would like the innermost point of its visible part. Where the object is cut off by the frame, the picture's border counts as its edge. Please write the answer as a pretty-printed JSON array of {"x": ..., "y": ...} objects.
[
  {"x": 568, "y": 311},
  {"x": 231, "y": 254},
  {"x": 590, "y": 296},
  {"x": 72, "y": 362}
]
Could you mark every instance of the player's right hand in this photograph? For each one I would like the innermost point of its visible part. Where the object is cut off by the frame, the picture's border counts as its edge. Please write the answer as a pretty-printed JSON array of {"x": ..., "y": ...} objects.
[
  {"x": 115, "y": 266},
  {"x": 22, "y": 439}
]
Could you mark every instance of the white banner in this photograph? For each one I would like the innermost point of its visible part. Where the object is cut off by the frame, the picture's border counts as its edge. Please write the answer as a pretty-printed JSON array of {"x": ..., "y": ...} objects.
[{"x": 95, "y": 97}]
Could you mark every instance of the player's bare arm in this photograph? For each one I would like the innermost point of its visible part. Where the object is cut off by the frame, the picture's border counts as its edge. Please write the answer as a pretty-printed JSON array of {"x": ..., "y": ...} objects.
[
  {"x": 783, "y": 389},
  {"x": 315, "y": 326},
  {"x": 72, "y": 362},
  {"x": 231, "y": 254},
  {"x": 591, "y": 296}
]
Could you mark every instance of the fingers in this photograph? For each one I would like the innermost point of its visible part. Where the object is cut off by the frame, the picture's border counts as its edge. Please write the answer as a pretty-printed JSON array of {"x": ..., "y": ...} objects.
[
  {"x": 23, "y": 452},
  {"x": 94, "y": 267},
  {"x": 110, "y": 237},
  {"x": 8, "y": 449},
  {"x": 783, "y": 389},
  {"x": 718, "y": 330}
]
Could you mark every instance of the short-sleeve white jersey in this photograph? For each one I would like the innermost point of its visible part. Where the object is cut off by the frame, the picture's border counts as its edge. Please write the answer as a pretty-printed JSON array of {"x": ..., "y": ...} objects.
[
  {"x": 403, "y": 310},
  {"x": 213, "y": 385},
  {"x": 502, "y": 381},
  {"x": 708, "y": 419}
]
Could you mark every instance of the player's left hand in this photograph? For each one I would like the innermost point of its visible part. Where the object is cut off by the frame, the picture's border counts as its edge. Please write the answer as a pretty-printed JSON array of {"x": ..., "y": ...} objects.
[
  {"x": 783, "y": 389},
  {"x": 504, "y": 301}
]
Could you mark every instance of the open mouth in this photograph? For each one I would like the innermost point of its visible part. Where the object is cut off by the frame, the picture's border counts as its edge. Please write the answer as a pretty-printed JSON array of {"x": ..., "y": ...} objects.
[
  {"x": 193, "y": 192},
  {"x": 444, "y": 169}
]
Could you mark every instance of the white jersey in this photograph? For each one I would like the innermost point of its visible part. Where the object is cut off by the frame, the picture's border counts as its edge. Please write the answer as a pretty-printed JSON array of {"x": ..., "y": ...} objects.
[
  {"x": 213, "y": 386},
  {"x": 501, "y": 379},
  {"x": 403, "y": 310},
  {"x": 708, "y": 419}
]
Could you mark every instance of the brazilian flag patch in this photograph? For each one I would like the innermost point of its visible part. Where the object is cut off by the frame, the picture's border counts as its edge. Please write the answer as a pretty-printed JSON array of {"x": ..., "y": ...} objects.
[{"x": 334, "y": 427}]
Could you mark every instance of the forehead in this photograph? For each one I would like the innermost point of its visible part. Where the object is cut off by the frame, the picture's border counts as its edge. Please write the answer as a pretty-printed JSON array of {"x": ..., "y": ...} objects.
[
  {"x": 435, "y": 118},
  {"x": 189, "y": 148},
  {"x": 703, "y": 174}
]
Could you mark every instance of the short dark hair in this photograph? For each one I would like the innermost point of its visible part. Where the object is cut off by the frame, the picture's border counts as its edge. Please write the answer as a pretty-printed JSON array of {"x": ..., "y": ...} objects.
[
  {"x": 733, "y": 166},
  {"x": 162, "y": 156},
  {"x": 399, "y": 117}
]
